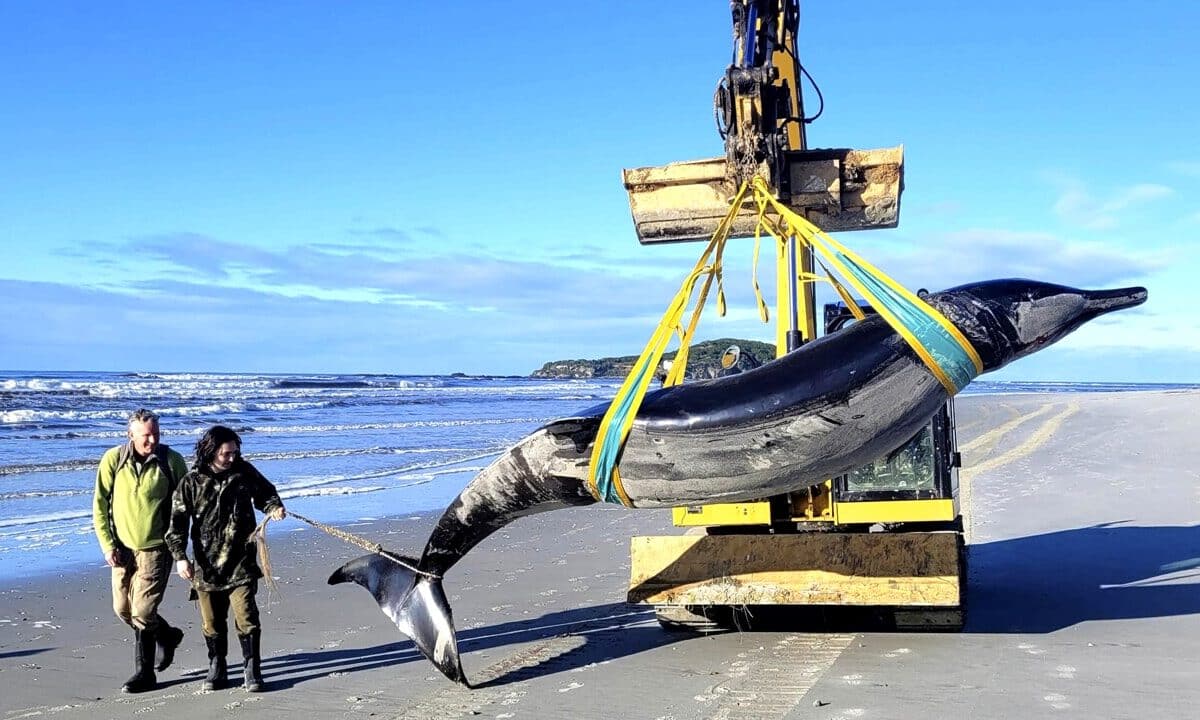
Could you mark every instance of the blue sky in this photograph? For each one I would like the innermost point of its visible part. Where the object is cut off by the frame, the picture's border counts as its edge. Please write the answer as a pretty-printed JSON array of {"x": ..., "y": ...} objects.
[{"x": 435, "y": 187}]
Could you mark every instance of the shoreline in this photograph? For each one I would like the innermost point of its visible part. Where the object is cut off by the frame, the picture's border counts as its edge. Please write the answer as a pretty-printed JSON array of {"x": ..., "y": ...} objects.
[
  {"x": 1083, "y": 602},
  {"x": 276, "y": 536}
]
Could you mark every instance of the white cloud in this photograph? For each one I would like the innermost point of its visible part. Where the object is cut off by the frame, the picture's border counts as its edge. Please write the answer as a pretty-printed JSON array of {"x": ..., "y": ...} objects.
[
  {"x": 952, "y": 258},
  {"x": 1190, "y": 168},
  {"x": 1078, "y": 206}
]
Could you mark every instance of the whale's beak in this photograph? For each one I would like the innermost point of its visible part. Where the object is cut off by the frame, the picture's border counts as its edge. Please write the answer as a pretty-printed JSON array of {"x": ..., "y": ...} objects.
[{"x": 1099, "y": 302}]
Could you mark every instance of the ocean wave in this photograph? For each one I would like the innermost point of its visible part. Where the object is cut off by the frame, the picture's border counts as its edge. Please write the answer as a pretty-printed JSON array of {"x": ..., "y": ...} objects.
[
  {"x": 1013, "y": 387},
  {"x": 27, "y": 395},
  {"x": 292, "y": 384},
  {"x": 46, "y": 518},
  {"x": 169, "y": 432},
  {"x": 45, "y": 418},
  {"x": 395, "y": 471},
  {"x": 50, "y": 386},
  {"x": 29, "y": 494},
  {"x": 422, "y": 478},
  {"x": 60, "y": 466},
  {"x": 89, "y": 464},
  {"x": 400, "y": 425},
  {"x": 326, "y": 491},
  {"x": 346, "y": 452}
]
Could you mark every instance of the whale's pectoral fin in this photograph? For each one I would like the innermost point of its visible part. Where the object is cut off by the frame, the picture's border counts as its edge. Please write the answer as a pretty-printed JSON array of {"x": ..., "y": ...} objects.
[{"x": 416, "y": 603}]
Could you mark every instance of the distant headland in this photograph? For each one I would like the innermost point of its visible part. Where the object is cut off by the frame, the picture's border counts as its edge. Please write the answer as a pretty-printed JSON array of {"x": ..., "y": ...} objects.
[{"x": 704, "y": 361}]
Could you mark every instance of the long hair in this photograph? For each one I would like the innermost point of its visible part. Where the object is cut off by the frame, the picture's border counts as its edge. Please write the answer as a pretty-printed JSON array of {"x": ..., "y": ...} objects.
[{"x": 210, "y": 442}]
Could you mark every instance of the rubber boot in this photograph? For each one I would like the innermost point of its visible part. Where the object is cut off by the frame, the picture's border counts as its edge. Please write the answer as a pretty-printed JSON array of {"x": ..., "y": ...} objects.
[
  {"x": 168, "y": 639},
  {"x": 252, "y": 676},
  {"x": 143, "y": 659},
  {"x": 218, "y": 671}
]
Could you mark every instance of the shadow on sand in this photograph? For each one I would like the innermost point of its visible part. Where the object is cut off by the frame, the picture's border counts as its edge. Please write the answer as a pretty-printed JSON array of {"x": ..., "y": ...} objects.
[
  {"x": 23, "y": 653},
  {"x": 606, "y": 632},
  {"x": 1034, "y": 584},
  {"x": 1047, "y": 582}
]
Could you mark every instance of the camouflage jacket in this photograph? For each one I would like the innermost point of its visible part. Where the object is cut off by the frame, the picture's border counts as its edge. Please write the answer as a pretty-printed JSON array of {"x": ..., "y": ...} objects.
[{"x": 220, "y": 512}]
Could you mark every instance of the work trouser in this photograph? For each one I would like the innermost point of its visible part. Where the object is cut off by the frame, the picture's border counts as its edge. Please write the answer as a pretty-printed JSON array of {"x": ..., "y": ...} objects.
[
  {"x": 138, "y": 584},
  {"x": 215, "y": 605}
]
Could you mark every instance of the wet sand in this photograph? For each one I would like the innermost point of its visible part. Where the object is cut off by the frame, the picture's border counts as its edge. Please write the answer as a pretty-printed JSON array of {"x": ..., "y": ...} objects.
[{"x": 1082, "y": 518}]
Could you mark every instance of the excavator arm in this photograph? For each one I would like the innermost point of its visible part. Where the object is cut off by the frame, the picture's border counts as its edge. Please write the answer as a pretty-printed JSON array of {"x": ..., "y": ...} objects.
[{"x": 760, "y": 117}]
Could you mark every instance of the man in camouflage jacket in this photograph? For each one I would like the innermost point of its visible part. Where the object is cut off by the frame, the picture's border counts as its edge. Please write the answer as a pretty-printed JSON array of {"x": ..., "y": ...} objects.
[{"x": 214, "y": 505}]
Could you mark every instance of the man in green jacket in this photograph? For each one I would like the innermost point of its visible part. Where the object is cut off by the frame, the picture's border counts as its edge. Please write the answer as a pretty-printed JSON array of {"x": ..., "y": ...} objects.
[{"x": 131, "y": 511}]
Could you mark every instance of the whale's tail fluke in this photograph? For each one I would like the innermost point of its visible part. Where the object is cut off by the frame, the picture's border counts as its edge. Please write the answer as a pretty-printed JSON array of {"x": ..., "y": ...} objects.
[{"x": 415, "y": 602}]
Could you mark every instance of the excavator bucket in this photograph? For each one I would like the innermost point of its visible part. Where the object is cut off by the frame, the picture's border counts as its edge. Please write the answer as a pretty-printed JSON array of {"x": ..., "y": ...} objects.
[{"x": 836, "y": 190}]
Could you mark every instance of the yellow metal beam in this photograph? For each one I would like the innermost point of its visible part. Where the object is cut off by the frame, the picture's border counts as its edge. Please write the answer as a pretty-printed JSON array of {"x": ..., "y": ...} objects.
[
  {"x": 895, "y": 511},
  {"x": 751, "y": 513},
  {"x": 857, "y": 569}
]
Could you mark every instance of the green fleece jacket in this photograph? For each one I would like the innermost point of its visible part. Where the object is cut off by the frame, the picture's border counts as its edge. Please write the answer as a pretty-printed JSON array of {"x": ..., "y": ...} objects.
[{"x": 132, "y": 503}]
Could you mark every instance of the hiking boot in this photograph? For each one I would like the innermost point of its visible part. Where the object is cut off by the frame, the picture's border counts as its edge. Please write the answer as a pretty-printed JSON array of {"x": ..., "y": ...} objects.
[
  {"x": 218, "y": 671},
  {"x": 143, "y": 660},
  {"x": 168, "y": 638},
  {"x": 252, "y": 676}
]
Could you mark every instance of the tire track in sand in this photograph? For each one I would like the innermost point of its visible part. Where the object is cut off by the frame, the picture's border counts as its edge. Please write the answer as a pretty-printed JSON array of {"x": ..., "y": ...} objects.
[
  {"x": 553, "y": 656},
  {"x": 767, "y": 683},
  {"x": 1040, "y": 436},
  {"x": 456, "y": 701},
  {"x": 993, "y": 436}
]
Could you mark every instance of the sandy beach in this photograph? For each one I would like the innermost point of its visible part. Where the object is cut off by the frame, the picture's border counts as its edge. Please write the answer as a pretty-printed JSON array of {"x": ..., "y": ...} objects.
[{"x": 1081, "y": 512}]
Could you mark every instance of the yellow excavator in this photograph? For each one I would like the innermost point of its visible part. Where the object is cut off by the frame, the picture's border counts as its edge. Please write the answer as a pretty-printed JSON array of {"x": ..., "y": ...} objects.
[{"x": 885, "y": 539}]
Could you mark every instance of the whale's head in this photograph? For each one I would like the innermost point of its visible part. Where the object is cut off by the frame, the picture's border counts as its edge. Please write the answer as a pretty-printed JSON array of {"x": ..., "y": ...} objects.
[{"x": 1009, "y": 319}]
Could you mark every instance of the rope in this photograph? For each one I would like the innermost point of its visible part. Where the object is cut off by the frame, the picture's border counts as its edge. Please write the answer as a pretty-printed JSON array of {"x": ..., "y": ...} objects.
[
  {"x": 362, "y": 542},
  {"x": 264, "y": 558}
]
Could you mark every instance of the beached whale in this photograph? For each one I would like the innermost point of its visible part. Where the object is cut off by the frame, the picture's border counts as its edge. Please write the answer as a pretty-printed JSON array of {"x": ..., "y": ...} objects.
[{"x": 830, "y": 406}]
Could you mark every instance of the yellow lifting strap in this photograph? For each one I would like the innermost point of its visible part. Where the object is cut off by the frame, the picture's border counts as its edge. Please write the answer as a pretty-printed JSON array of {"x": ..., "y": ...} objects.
[
  {"x": 603, "y": 479},
  {"x": 940, "y": 345}
]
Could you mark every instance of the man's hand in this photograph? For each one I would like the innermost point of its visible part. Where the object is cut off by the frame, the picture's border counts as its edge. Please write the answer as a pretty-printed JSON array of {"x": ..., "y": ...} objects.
[
  {"x": 278, "y": 513},
  {"x": 113, "y": 557},
  {"x": 184, "y": 569}
]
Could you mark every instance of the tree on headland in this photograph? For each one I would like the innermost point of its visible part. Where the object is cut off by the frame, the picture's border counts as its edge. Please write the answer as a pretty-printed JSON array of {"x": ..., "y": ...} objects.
[{"x": 704, "y": 361}]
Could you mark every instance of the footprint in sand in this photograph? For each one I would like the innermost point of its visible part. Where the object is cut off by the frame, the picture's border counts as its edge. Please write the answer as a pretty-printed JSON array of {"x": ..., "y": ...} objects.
[{"x": 1057, "y": 701}]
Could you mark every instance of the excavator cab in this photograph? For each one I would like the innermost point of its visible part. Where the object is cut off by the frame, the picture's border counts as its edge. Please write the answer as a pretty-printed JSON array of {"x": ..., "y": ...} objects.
[{"x": 924, "y": 468}]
